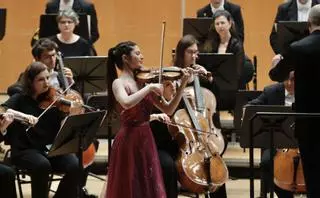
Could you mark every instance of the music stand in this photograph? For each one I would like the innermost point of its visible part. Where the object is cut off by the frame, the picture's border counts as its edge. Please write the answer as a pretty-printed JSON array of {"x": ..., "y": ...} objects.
[
  {"x": 198, "y": 27},
  {"x": 242, "y": 98},
  {"x": 75, "y": 136},
  {"x": 225, "y": 76},
  {"x": 290, "y": 31},
  {"x": 265, "y": 127},
  {"x": 3, "y": 14},
  {"x": 89, "y": 72},
  {"x": 49, "y": 26}
]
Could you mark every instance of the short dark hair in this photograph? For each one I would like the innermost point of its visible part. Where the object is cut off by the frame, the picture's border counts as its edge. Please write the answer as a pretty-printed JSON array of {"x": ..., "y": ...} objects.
[{"x": 43, "y": 44}]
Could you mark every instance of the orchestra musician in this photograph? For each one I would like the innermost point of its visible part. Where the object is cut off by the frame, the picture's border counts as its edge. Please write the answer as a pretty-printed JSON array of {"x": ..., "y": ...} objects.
[
  {"x": 303, "y": 58},
  {"x": 275, "y": 94},
  {"x": 69, "y": 43},
  {"x": 80, "y": 7},
  {"x": 186, "y": 54},
  {"x": 222, "y": 38},
  {"x": 134, "y": 169},
  {"x": 293, "y": 10},
  {"x": 45, "y": 51},
  {"x": 233, "y": 9},
  {"x": 29, "y": 148},
  {"x": 7, "y": 174}
]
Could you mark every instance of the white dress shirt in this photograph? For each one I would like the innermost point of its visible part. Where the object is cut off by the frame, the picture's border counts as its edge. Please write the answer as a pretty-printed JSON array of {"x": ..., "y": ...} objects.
[
  {"x": 213, "y": 9},
  {"x": 289, "y": 98},
  {"x": 303, "y": 10},
  {"x": 65, "y": 4}
]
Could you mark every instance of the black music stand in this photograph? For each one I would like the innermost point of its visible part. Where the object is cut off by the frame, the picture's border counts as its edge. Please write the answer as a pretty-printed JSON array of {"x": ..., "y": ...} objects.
[
  {"x": 75, "y": 136},
  {"x": 49, "y": 26},
  {"x": 290, "y": 31},
  {"x": 225, "y": 76},
  {"x": 242, "y": 98},
  {"x": 3, "y": 14},
  {"x": 264, "y": 127},
  {"x": 198, "y": 27},
  {"x": 90, "y": 73}
]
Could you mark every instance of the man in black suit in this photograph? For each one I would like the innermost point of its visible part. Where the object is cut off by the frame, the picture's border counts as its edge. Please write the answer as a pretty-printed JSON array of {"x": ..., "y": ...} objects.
[
  {"x": 303, "y": 57},
  {"x": 275, "y": 94},
  {"x": 80, "y": 7},
  {"x": 233, "y": 9},
  {"x": 293, "y": 10}
]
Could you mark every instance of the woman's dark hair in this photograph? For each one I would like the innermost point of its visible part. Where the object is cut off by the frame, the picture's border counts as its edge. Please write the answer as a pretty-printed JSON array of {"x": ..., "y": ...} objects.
[
  {"x": 29, "y": 75},
  {"x": 42, "y": 45},
  {"x": 185, "y": 42},
  {"x": 115, "y": 60},
  {"x": 213, "y": 36}
]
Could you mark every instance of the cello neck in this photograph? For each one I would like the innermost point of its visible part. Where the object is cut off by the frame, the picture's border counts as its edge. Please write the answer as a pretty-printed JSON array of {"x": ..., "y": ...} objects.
[
  {"x": 64, "y": 84},
  {"x": 198, "y": 94}
]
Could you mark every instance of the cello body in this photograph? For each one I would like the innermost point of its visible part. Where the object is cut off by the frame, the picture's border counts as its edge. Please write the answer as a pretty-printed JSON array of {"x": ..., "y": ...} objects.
[
  {"x": 214, "y": 139},
  {"x": 288, "y": 171},
  {"x": 199, "y": 169}
]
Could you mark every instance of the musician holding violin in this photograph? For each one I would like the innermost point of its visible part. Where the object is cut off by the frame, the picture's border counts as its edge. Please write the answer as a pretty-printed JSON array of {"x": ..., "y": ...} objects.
[
  {"x": 134, "y": 168},
  {"x": 29, "y": 147}
]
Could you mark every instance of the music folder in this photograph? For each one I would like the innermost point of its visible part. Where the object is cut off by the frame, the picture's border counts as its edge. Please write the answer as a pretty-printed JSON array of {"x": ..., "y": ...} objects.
[{"x": 290, "y": 31}]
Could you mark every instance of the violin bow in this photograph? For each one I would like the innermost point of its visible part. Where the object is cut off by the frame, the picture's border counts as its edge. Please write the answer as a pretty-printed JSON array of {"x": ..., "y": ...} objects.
[{"x": 161, "y": 50}]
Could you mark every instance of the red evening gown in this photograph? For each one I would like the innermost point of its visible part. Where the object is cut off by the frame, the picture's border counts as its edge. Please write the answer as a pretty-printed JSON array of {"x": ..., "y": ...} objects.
[{"x": 134, "y": 169}]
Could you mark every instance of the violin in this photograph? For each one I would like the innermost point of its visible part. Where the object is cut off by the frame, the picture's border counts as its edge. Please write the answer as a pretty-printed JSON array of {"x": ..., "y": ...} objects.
[
  {"x": 152, "y": 75},
  {"x": 53, "y": 98}
]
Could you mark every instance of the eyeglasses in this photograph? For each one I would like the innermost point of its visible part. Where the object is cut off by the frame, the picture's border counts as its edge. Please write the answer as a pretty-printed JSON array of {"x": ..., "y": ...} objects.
[
  {"x": 66, "y": 22},
  {"x": 190, "y": 51}
]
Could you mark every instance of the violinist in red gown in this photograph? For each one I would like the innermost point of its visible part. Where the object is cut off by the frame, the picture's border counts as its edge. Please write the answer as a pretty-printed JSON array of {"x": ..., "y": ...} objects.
[
  {"x": 29, "y": 149},
  {"x": 134, "y": 169}
]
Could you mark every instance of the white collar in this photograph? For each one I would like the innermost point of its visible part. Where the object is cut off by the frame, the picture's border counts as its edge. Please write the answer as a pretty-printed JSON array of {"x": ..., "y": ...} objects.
[
  {"x": 304, "y": 7},
  {"x": 287, "y": 94},
  {"x": 221, "y": 7},
  {"x": 64, "y": 6}
]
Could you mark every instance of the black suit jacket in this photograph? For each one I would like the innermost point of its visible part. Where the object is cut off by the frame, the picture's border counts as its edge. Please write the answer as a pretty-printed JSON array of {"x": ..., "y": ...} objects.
[
  {"x": 235, "y": 12},
  {"x": 272, "y": 95},
  {"x": 286, "y": 12},
  {"x": 82, "y": 7},
  {"x": 304, "y": 58}
]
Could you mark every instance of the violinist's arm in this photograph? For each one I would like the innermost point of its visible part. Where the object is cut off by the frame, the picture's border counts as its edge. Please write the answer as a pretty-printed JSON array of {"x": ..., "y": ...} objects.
[
  {"x": 128, "y": 101},
  {"x": 30, "y": 119}
]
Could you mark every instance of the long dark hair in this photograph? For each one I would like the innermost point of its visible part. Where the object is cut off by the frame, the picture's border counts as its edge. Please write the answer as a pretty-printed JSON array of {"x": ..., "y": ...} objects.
[
  {"x": 115, "y": 60},
  {"x": 185, "y": 42},
  {"x": 213, "y": 40},
  {"x": 29, "y": 75}
]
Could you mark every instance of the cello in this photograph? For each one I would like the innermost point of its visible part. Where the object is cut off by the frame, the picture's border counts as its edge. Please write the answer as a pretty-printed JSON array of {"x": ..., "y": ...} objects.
[
  {"x": 72, "y": 95},
  {"x": 288, "y": 171},
  {"x": 205, "y": 103},
  {"x": 200, "y": 170}
]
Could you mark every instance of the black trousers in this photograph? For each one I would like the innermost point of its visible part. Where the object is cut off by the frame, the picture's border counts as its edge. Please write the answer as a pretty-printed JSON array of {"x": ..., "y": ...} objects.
[
  {"x": 310, "y": 151},
  {"x": 169, "y": 173},
  {"x": 40, "y": 166},
  {"x": 7, "y": 185},
  {"x": 266, "y": 177}
]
